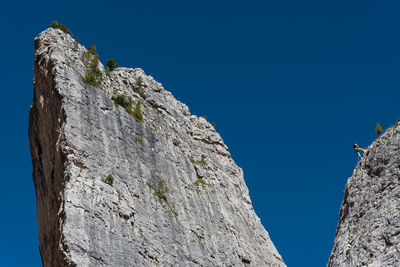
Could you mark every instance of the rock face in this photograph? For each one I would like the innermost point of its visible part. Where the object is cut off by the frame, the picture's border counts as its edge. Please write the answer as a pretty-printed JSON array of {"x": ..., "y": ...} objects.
[
  {"x": 114, "y": 191},
  {"x": 368, "y": 232}
]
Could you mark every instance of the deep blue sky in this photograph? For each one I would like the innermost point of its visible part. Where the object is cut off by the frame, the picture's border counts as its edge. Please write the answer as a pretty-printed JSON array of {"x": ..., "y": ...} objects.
[{"x": 291, "y": 86}]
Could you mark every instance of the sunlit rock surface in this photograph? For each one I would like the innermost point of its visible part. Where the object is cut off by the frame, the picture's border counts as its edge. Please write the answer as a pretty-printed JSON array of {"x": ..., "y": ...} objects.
[
  {"x": 368, "y": 232},
  {"x": 177, "y": 198}
]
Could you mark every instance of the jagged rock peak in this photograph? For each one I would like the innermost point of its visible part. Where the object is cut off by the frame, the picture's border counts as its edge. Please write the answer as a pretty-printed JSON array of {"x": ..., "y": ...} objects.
[
  {"x": 117, "y": 189},
  {"x": 368, "y": 232}
]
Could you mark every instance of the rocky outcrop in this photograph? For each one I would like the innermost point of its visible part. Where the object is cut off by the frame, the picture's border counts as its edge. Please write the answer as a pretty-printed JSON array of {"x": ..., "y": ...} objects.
[
  {"x": 368, "y": 232},
  {"x": 113, "y": 190}
]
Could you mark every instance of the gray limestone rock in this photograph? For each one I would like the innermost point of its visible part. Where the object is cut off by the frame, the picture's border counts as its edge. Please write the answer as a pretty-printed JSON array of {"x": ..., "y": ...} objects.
[
  {"x": 368, "y": 232},
  {"x": 112, "y": 191}
]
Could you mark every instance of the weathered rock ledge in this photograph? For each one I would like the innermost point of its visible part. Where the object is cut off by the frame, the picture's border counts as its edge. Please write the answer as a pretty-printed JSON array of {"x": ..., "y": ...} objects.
[{"x": 177, "y": 198}]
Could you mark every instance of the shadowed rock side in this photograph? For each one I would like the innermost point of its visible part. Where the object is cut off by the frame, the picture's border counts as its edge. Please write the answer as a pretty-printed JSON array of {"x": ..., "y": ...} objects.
[
  {"x": 368, "y": 232},
  {"x": 176, "y": 197}
]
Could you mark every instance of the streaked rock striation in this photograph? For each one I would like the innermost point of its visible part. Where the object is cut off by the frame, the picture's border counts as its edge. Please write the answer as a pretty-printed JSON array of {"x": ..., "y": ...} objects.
[
  {"x": 368, "y": 232},
  {"x": 114, "y": 191}
]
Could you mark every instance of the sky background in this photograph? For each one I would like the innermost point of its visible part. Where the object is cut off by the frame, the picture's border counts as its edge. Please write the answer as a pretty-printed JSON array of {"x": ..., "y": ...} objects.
[{"x": 291, "y": 85}]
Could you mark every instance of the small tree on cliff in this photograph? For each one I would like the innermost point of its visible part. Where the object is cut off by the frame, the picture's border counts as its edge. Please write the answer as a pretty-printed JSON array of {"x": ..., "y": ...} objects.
[
  {"x": 137, "y": 113},
  {"x": 378, "y": 129},
  {"x": 111, "y": 64},
  {"x": 92, "y": 50}
]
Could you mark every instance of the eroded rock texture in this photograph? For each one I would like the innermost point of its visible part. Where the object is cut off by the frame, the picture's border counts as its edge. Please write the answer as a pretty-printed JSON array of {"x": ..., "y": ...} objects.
[
  {"x": 177, "y": 198},
  {"x": 368, "y": 232}
]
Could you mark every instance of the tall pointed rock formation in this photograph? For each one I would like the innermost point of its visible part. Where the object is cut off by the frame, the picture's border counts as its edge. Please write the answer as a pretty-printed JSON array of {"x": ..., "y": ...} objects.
[{"x": 119, "y": 188}]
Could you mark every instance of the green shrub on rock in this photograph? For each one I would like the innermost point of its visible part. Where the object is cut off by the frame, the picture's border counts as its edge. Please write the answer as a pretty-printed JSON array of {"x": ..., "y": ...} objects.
[
  {"x": 123, "y": 101},
  {"x": 93, "y": 75},
  {"x": 142, "y": 94},
  {"x": 201, "y": 162},
  {"x": 108, "y": 180},
  {"x": 56, "y": 25},
  {"x": 139, "y": 138},
  {"x": 137, "y": 113},
  {"x": 139, "y": 81}
]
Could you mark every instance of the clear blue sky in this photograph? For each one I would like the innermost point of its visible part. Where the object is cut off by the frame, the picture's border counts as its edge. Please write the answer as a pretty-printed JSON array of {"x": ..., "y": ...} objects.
[{"x": 291, "y": 86}]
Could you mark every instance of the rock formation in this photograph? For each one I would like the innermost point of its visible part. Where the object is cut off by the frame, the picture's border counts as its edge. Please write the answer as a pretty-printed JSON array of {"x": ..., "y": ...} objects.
[
  {"x": 125, "y": 184},
  {"x": 368, "y": 232}
]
